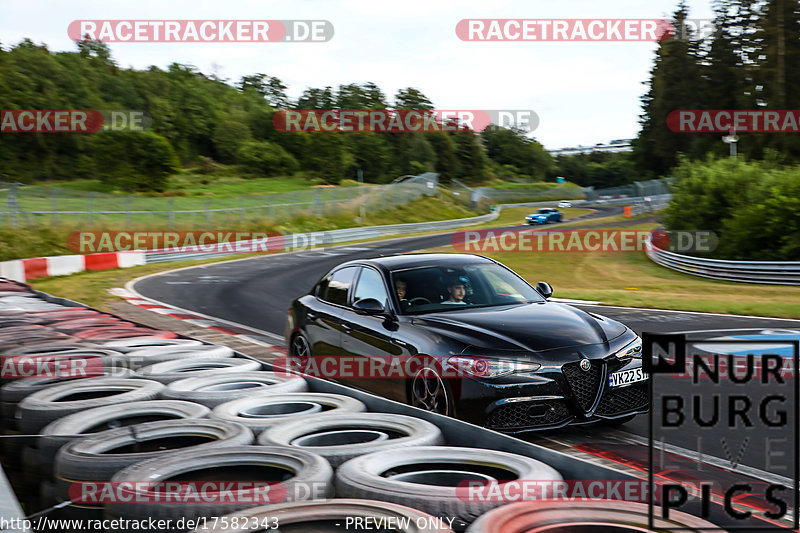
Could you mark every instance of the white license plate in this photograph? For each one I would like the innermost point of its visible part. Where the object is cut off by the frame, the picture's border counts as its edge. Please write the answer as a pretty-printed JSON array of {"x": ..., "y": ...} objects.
[{"x": 627, "y": 377}]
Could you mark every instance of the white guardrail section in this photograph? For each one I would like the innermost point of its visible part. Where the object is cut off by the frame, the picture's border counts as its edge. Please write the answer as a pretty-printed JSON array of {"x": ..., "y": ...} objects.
[
  {"x": 772, "y": 272},
  {"x": 299, "y": 241}
]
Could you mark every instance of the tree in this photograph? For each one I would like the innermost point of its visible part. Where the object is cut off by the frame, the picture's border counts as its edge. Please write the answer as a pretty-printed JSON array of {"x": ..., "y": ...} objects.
[
  {"x": 512, "y": 147},
  {"x": 471, "y": 157},
  {"x": 447, "y": 164},
  {"x": 270, "y": 87},
  {"x": 673, "y": 86},
  {"x": 229, "y": 137},
  {"x": 411, "y": 98},
  {"x": 134, "y": 161},
  {"x": 266, "y": 158},
  {"x": 319, "y": 99},
  {"x": 372, "y": 154}
]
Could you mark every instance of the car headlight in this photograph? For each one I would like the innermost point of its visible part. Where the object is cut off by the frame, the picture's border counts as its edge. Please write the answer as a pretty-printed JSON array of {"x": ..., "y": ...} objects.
[
  {"x": 634, "y": 350},
  {"x": 481, "y": 367}
]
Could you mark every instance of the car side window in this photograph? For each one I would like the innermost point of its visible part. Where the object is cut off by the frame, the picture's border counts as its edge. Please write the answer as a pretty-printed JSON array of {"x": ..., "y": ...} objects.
[
  {"x": 370, "y": 285},
  {"x": 339, "y": 286}
]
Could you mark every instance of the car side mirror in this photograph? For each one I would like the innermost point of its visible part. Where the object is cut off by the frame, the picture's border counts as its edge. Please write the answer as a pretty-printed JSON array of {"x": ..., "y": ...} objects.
[
  {"x": 369, "y": 306},
  {"x": 544, "y": 289}
]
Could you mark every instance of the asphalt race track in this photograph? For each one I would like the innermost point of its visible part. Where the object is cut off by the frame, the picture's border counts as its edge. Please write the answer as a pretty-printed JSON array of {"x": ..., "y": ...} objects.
[{"x": 256, "y": 292}]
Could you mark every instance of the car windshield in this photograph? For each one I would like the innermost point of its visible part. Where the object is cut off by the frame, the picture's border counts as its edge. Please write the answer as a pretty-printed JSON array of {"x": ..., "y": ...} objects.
[
  {"x": 450, "y": 288},
  {"x": 544, "y": 211}
]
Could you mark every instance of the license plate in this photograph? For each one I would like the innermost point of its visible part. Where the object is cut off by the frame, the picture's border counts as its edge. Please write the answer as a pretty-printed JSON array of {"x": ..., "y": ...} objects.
[{"x": 627, "y": 377}]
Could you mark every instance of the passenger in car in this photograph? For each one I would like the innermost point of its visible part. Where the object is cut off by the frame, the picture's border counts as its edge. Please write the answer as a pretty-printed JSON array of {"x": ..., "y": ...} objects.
[{"x": 400, "y": 285}]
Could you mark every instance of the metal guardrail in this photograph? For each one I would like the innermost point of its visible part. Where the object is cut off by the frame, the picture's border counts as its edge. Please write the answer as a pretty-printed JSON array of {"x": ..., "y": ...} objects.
[
  {"x": 300, "y": 241},
  {"x": 771, "y": 272}
]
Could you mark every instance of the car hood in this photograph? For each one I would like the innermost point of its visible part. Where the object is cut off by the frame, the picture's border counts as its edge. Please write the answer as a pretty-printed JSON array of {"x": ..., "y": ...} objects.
[{"x": 535, "y": 327}]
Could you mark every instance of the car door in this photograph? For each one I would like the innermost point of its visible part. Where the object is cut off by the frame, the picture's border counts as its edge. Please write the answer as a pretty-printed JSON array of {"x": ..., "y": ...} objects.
[
  {"x": 367, "y": 340},
  {"x": 322, "y": 321}
]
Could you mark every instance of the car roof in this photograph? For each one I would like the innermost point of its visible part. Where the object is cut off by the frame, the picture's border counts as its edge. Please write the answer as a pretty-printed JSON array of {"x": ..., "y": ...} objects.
[{"x": 396, "y": 262}]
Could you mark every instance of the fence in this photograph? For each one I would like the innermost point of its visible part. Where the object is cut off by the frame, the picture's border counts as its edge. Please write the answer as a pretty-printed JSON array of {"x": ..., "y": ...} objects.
[
  {"x": 772, "y": 272},
  {"x": 641, "y": 189},
  {"x": 645, "y": 191},
  {"x": 533, "y": 194},
  {"x": 37, "y": 206}
]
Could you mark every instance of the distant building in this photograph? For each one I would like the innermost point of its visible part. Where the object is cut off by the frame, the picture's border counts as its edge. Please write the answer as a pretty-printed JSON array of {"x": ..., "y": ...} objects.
[{"x": 615, "y": 146}]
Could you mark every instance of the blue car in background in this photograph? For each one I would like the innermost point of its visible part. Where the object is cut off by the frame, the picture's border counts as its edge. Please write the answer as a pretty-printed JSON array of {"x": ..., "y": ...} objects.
[{"x": 544, "y": 215}]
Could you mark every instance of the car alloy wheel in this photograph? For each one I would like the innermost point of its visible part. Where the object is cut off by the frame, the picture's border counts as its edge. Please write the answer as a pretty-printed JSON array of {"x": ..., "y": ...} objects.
[
  {"x": 300, "y": 347},
  {"x": 428, "y": 392}
]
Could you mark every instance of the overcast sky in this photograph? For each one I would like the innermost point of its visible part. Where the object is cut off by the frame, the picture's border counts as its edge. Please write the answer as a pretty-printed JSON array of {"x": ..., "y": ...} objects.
[{"x": 584, "y": 93}]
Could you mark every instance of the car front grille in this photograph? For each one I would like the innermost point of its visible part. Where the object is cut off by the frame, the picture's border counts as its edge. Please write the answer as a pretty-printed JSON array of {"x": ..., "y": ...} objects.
[
  {"x": 518, "y": 415},
  {"x": 623, "y": 400},
  {"x": 585, "y": 384}
]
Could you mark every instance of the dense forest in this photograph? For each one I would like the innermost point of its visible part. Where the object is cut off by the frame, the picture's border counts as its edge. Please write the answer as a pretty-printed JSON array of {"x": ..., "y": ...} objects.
[
  {"x": 750, "y": 61},
  {"x": 201, "y": 120}
]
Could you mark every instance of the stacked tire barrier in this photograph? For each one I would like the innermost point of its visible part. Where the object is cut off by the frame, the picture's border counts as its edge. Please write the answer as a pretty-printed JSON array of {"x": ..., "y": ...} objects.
[{"x": 117, "y": 421}]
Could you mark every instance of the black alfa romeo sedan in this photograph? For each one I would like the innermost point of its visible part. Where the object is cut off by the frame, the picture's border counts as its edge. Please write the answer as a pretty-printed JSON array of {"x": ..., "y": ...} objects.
[{"x": 465, "y": 336}]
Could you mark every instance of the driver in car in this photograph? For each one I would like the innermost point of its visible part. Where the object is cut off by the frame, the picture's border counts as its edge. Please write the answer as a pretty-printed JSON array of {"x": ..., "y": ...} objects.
[{"x": 457, "y": 291}]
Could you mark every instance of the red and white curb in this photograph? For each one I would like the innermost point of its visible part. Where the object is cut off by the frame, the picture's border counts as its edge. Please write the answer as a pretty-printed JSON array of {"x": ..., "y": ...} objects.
[
  {"x": 62, "y": 265},
  {"x": 262, "y": 338}
]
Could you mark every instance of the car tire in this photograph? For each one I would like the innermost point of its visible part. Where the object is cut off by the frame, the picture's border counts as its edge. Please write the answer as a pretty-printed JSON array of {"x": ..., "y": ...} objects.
[
  {"x": 601, "y": 515},
  {"x": 169, "y": 371},
  {"x": 300, "y": 346},
  {"x": 291, "y": 474},
  {"x": 158, "y": 354},
  {"x": 141, "y": 343},
  {"x": 392, "y": 478},
  {"x": 341, "y": 437},
  {"x": 429, "y": 391},
  {"x": 77, "y": 425},
  {"x": 261, "y": 412},
  {"x": 11, "y": 394},
  {"x": 89, "y": 458},
  {"x": 42, "y": 407},
  {"x": 302, "y": 516},
  {"x": 212, "y": 391}
]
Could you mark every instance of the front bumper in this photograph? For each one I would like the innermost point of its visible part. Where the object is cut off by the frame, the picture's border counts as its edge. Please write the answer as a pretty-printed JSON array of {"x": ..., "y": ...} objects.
[{"x": 552, "y": 397}]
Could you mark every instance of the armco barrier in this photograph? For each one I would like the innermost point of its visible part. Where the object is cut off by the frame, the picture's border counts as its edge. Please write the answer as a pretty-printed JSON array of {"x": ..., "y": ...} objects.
[
  {"x": 61, "y": 265},
  {"x": 305, "y": 240},
  {"x": 772, "y": 272}
]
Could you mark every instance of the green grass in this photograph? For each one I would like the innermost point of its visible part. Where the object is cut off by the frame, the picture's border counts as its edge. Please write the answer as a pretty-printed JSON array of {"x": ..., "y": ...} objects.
[
  {"x": 225, "y": 182},
  {"x": 535, "y": 186},
  {"x": 19, "y": 243},
  {"x": 630, "y": 279}
]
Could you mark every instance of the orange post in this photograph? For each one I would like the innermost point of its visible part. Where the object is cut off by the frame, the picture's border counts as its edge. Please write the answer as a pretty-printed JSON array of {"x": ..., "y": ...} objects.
[{"x": 628, "y": 211}]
